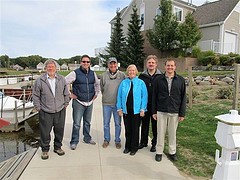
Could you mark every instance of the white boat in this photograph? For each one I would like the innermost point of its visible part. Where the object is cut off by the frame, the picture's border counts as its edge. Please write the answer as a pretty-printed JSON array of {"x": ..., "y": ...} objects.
[
  {"x": 12, "y": 81},
  {"x": 7, "y": 108},
  {"x": 3, "y": 81}
]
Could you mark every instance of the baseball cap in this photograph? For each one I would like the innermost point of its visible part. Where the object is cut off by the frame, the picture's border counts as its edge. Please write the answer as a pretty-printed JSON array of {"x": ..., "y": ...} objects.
[{"x": 112, "y": 59}]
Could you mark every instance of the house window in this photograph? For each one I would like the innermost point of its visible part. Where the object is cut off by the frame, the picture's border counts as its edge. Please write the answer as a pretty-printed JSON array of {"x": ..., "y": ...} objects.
[
  {"x": 158, "y": 11},
  {"x": 178, "y": 12},
  {"x": 142, "y": 15}
]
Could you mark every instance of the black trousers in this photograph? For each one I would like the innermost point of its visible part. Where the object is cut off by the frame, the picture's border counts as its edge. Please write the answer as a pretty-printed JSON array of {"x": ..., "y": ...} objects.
[
  {"x": 47, "y": 121},
  {"x": 145, "y": 128},
  {"x": 131, "y": 123}
]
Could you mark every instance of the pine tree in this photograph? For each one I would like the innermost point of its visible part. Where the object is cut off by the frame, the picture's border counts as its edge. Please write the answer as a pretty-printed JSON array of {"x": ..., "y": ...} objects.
[
  {"x": 163, "y": 36},
  {"x": 189, "y": 33},
  {"x": 134, "y": 41},
  {"x": 116, "y": 44}
]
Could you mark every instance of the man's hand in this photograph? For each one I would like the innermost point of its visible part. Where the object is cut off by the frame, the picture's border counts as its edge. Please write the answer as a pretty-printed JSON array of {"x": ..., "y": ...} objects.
[
  {"x": 142, "y": 114},
  {"x": 154, "y": 116},
  {"x": 94, "y": 97},
  {"x": 120, "y": 113},
  {"x": 181, "y": 119},
  {"x": 73, "y": 96}
]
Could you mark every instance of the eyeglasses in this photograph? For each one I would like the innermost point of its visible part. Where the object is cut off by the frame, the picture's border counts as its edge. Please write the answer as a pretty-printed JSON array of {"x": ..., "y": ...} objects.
[{"x": 85, "y": 61}]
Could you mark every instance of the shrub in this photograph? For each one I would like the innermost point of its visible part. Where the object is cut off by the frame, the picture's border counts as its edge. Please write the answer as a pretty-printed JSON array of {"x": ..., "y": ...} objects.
[
  {"x": 225, "y": 60},
  {"x": 208, "y": 53},
  {"x": 209, "y": 66},
  {"x": 195, "y": 93},
  {"x": 196, "y": 51},
  {"x": 225, "y": 93},
  {"x": 237, "y": 59},
  {"x": 207, "y": 60},
  {"x": 231, "y": 54}
]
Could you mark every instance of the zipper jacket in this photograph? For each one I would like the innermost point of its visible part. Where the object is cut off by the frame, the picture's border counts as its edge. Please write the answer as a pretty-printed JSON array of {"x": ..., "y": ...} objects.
[
  {"x": 173, "y": 102},
  {"x": 140, "y": 95},
  {"x": 149, "y": 83},
  {"x": 43, "y": 98}
]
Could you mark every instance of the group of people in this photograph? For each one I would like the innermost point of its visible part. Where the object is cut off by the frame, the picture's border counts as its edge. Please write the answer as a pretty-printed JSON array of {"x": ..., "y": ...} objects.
[{"x": 153, "y": 96}]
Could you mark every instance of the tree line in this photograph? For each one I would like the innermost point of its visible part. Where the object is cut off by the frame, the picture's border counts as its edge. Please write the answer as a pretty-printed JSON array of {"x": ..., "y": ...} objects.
[
  {"x": 167, "y": 35},
  {"x": 32, "y": 61}
]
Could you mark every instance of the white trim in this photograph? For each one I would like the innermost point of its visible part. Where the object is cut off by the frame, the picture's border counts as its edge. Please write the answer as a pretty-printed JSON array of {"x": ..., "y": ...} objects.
[
  {"x": 221, "y": 36},
  {"x": 238, "y": 5},
  {"x": 211, "y": 24},
  {"x": 123, "y": 14},
  {"x": 181, "y": 10},
  {"x": 188, "y": 6},
  {"x": 142, "y": 11}
]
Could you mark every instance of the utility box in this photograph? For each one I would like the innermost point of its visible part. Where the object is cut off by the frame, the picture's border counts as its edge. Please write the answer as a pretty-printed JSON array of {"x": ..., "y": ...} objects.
[{"x": 228, "y": 137}]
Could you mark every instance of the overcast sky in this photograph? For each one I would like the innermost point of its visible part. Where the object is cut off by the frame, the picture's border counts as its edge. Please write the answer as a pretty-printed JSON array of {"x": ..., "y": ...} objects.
[{"x": 57, "y": 28}]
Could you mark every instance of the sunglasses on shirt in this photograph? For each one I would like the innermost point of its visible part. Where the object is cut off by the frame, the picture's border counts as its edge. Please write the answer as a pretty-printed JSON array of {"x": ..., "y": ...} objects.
[{"x": 85, "y": 61}]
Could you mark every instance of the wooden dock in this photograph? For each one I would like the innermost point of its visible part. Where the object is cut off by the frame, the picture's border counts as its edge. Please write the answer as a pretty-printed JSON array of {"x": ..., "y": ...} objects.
[{"x": 13, "y": 167}]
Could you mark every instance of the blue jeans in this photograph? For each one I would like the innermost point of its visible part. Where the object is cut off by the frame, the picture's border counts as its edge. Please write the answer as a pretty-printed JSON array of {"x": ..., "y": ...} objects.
[
  {"x": 108, "y": 110},
  {"x": 80, "y": 111}
]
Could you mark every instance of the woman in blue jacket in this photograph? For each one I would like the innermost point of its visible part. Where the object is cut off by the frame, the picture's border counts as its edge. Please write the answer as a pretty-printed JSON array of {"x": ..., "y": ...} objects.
[{"x": 131, "y": 104}]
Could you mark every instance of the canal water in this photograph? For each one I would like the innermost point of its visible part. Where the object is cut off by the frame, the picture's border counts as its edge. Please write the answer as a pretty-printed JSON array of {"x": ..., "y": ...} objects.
[{"x": 15, "y": 143}]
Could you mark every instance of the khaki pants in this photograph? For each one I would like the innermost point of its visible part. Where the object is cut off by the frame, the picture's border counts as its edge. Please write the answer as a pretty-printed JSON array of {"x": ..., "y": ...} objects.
[{"x": 166, "y": 121}]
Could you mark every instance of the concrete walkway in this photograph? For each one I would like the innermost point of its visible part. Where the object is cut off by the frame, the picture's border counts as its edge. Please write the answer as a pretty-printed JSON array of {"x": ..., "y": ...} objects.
[{"x": 95, "y": 162}]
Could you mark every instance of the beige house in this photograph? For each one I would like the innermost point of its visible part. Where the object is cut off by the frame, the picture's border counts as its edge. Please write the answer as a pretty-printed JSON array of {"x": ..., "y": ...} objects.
[
  {"x": 40, "y": 66},
  {"x": 148, "y": 10},
  {"x": 218, "y": 21},
  {"x": 73, "y": 66},
  {"x": 220, "y": 25},
  {"x": 64, "y": 67}
]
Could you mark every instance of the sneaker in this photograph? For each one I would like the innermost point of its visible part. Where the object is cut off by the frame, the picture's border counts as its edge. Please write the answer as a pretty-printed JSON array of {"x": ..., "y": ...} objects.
[
  {"x": 44, "y": 155},
  {"x": 173, "y": 157},
  {"x": 73, "y": 146},
  {"x": 118, "y": 145},
  {"x": 105, "y": 144},
  {"x": 60, "y": 152},
  {"x": 158, "y": 157},
  {"x": 91, "y": 142}
]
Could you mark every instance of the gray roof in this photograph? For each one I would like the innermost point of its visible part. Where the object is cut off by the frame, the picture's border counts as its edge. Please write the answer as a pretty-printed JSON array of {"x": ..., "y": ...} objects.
[{"x": 214, "y": 12}]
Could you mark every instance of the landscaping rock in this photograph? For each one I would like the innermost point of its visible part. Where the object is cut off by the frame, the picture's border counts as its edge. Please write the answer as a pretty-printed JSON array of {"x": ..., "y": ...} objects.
[{"x": 228, "y": 80}]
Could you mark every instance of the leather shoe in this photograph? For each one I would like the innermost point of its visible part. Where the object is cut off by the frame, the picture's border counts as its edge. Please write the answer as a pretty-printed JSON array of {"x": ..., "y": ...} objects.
[
  {"x": 126, "y": 151},
  {"x": 142, "y": 146},
  {"x": 132, "y": 153},
  {"x": 173, "y": 157},
  {"x": 153, "y": 149},
  {"x": 158, "y": 157}
]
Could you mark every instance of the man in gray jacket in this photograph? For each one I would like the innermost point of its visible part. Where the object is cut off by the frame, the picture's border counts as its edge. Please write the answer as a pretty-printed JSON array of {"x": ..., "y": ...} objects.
[
  {"x": 109, "y": 84},
  {"x": 50, "y": 98}
]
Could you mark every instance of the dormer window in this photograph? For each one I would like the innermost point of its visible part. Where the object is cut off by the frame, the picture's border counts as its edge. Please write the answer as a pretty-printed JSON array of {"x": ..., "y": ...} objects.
[{"x": 178, "y": 12}]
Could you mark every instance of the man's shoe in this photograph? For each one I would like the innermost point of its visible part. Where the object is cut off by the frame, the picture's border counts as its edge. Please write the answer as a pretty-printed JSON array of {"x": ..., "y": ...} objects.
[
  {"x": 91, "y": 142},
  {"x": 142, "y": 146},
  {"x": 60, "y": 152},
  {"x": 44, "y": 155},
  {"x": 118, "y": 145},
  {"x": 158, "y": 157},
  {"x": 173, "y": 157},
  {"x": 126, "y": 151},
  {"x": 132, "y": 153},
  {"x": 105, "y": 144},
  {"x": 153, "y": 149},
  {"x": 73, "y": 146}
]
